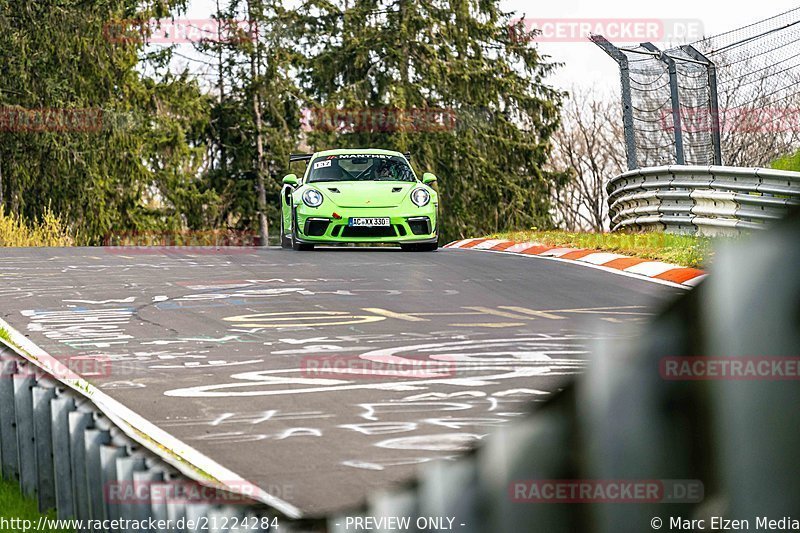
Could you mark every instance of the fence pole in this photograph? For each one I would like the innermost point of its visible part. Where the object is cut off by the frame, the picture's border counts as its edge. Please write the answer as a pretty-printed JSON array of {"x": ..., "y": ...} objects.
[
  {"x": 680, "y": 157},
  {"x": 713, "y": 99},
  {"x": 627, "y": 106}
]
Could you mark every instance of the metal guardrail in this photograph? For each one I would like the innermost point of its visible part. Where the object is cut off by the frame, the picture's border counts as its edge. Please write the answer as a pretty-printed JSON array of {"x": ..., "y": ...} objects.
[
  {"x": 735, "y": 440},
  {"x": 695, "y": 199},
  {"x": 64, "y": 451},
  {"x": 621, "y": 421}
]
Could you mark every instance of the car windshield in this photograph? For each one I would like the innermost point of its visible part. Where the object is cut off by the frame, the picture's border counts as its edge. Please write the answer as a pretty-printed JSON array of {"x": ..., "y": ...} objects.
[{"x": 360, "y": 167}]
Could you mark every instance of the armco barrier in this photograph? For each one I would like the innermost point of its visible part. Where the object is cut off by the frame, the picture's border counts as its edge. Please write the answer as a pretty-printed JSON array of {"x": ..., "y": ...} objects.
[
  {"x": 730, "y": 445},
  {"x": 623, "y": 420},
  {"x": 708, "y": 200},
  {"x": 64, "y": 451}
]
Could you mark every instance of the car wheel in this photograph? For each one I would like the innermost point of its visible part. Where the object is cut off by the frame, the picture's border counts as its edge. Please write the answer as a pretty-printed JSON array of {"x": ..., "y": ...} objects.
[
  {"x": 302, "y": 246},
  {"x": 286, "y": 242},
  {"x": 296, "y": 245},
  {"x": 428, "y": 247},
  {"x": 420, "y": 247}
]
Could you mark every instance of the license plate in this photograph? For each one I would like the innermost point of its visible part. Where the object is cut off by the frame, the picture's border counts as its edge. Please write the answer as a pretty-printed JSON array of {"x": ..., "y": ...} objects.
[{"x": 369, "y": 222}]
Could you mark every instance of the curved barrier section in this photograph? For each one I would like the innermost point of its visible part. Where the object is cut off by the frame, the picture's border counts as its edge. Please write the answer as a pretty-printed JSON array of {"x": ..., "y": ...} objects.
[
  {"x": 696, "y": 199},
  {"x": 709, "y": 443},
  {"x": 60, "y": 441}
]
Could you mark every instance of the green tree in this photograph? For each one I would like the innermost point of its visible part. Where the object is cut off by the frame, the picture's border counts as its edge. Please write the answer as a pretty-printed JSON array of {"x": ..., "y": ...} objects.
[
  {"x": 131, "y": 160},
  {"x": 490, "y": 147},
  {"x": 255, "y": 118}
]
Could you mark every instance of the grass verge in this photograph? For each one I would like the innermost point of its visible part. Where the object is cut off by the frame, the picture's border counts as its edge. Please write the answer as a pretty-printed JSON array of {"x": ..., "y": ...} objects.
[
  {"x": 14, "y": 506},
  {"x": 684, "y": 250}
]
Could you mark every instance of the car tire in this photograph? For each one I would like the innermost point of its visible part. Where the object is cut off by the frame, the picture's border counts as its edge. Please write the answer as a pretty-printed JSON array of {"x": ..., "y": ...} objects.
[
  {"x": 302, "y": 247},
  {"x": 420, "y": 247},
  {"x": 286, "y": 242},
  {"x": 296, "y": 245}
]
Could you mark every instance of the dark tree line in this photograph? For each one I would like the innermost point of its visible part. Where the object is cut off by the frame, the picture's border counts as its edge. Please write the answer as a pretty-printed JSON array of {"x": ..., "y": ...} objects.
[{"x": 174, "y": 150}]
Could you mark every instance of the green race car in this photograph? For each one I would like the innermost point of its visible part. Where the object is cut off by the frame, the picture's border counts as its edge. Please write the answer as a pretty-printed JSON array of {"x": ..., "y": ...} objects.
[{"x": 359, "y": 196}]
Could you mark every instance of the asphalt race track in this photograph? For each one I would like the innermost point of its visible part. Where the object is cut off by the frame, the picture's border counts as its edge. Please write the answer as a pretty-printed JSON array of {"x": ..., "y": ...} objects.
[{"x": 222, "y": 349}]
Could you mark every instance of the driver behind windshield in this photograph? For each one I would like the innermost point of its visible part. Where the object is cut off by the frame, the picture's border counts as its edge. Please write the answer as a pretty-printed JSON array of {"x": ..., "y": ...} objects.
[{"x": 383, "y": 171}]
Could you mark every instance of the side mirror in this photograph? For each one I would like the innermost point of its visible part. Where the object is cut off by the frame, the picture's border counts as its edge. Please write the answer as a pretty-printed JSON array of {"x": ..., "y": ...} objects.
[
  {"x": 428, "y": 178},
  {"x": 290, "y": 179}
]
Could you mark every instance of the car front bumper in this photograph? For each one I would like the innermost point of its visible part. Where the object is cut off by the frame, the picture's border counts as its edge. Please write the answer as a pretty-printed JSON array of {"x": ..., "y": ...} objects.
[{"x": 316, "y": 226}]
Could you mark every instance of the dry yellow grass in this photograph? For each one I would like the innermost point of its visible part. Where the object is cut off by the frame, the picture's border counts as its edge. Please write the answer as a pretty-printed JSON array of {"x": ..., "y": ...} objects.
[{"x": 50, "y": 231}]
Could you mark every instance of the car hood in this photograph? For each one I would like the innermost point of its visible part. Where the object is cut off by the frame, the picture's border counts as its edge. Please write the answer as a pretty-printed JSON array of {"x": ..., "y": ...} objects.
[{"x": 366, "y": 193}]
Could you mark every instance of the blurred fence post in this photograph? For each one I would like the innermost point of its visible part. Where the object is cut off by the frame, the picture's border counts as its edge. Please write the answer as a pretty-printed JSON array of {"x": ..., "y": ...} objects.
[
  {"x": 674, "y": 97},
  {"x": 627, "y": 105},
  {"x": 713, "y": 99}
]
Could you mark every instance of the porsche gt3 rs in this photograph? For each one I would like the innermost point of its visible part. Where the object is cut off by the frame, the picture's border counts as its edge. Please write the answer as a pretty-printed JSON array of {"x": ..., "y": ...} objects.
[{"x": 359, "y": 196}]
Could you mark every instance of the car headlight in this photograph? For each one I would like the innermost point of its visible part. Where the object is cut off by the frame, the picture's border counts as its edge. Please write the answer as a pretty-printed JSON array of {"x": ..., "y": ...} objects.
[
  {"x": 420, "y": 197},
  {"x": 312, "y": 198}
]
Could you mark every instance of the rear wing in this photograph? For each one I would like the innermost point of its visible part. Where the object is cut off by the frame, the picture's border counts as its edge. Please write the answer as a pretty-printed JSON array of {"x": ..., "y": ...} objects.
[{"x": 307, "y": 157}]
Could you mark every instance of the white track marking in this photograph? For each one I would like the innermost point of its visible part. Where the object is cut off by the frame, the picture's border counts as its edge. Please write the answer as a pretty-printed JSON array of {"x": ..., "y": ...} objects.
[{"x": 134, "y": 426}]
